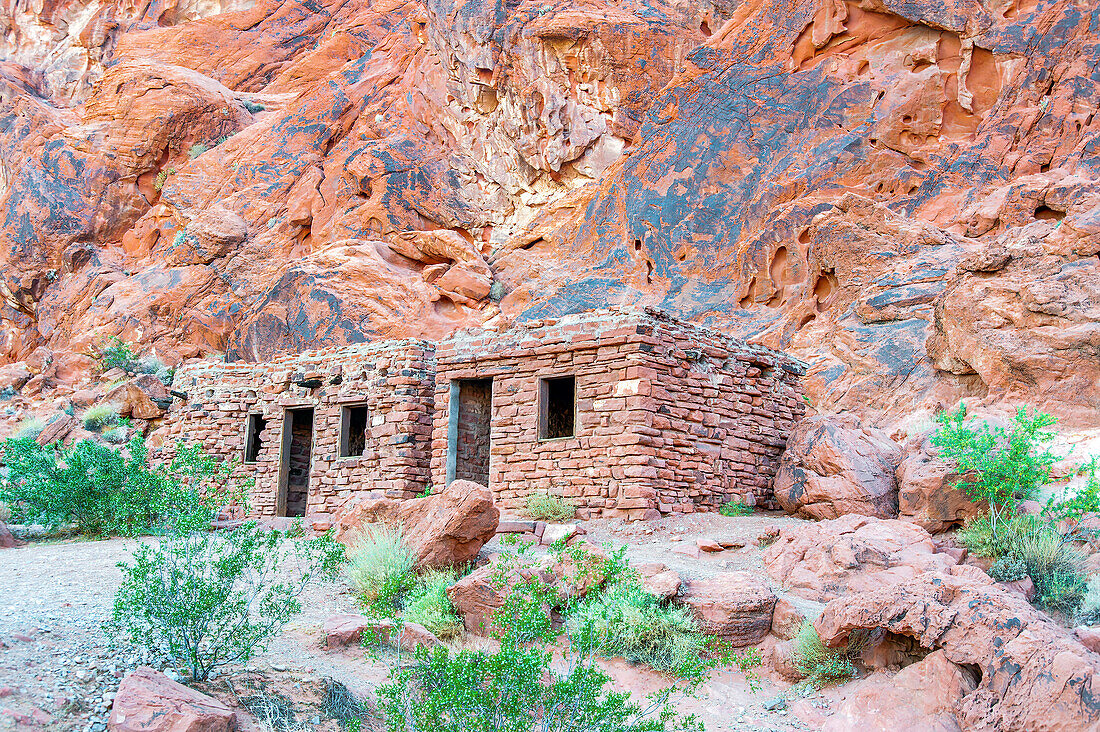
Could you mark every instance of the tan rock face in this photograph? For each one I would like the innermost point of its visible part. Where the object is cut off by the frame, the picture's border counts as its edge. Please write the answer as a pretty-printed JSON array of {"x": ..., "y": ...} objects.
[
  {"x": 1033, "y": 673},
  {"x": 833, "y": 466},
  {"x": 445, "y": 529},
  {"x": 851, "y": 554},
  {"x": 148, "y": 701},
  {"x": 264, "y": 177},
  {"x": 736, "y": 606}
]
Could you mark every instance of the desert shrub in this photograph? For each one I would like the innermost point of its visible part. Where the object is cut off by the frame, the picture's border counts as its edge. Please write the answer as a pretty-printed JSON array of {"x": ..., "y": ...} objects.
[
  {"x": 816, "y": 662},
  {"x": 104, "y": 490},
  {"x": 253, "y": 107},
  {"x": 30, "y": 428},
  {"x": 976, "y": 534},
  {"x": 1089, "y": 611},
  {"x": 735, "y": 508},
  {"x": 629, "y": 622},
  {"x": 1085, "y": 500},
  {"x": 115, "y": 435},
  {"x": 1008, "y": 569},
  {"x": 196, "y": 150},
  {"x": 427, "y": 604},
  {"x": 340, "y": 704},
  {"x": 999, "y": 467},
  {"x": 548, "y": 507},
  {"x": 162, "y": 178},
  {"x": 112, "y": 352},
  {"x": 101, "y": 415},
  {"x": 380, "y": 568},
  {"x": 203, "y": 600},
  {"x": 151, "y": 364},
  {"x": 1054, "y": 565}
]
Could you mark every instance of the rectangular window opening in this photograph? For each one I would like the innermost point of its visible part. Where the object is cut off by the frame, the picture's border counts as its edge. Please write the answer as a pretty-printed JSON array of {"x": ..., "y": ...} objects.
[
  {"x": 353, "y": 430},
  {"x": 253, "y": 438},
  {"x": 557, "y": 408}
]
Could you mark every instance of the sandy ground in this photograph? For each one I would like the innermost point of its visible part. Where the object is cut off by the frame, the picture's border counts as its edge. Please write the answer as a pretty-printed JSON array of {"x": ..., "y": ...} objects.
[{"x": 58, "y": 671}]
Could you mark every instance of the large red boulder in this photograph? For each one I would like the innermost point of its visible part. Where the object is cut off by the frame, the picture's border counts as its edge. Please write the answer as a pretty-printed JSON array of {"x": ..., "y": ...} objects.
[
  {"x": 142, "y": 397},
  {"x": 736, "y": 606},
  {"x": 445, "y": 529},
  {"x": 927, "y": 495},
  {"x": 1034, "y": 674},
  {"x": 833, "y": 466},
  {"x": 148, "y": 701},
  {"x": 828, "y": 559}
]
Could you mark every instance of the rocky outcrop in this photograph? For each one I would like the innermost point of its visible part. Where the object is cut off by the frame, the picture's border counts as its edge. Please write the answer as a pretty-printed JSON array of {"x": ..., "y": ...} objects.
[
  {"x": 351, "y": 629},
  {"x": 927, "y": 495},
  {"x": 833, "y": 466},
  {"x": 922, "y": 697},
  {"x": 1033, "y": 674},
  {"x": 148, "y": 701},
  {"x": 851, "y": 554},
  {"x": 735, "y": 606},
  {"x": 142, "y": 397},
  {"x": 445, "y": 529}
]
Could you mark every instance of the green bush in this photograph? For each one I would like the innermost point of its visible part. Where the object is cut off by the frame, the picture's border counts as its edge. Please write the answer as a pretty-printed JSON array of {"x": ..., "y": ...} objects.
[
  {"x": 1054, "y": 565},
  {"x": 977, "y": 536},
  {"x": 999, "y": 467},
  {"x": 196, "y": 150},
  {"x": 105, "y": 490},
  {"x": 101, "y": 415},
  {"x": 817, "y": 663},
  {"x": 629, "y": 622},
  {"x": 1008, "y": 569},
  {"x": 427, "y": 604},
  {"x": 547, "y": 507},
  {"x": 380, "y": 568},
  {"x": 253, "y": 107},
  {"x": 30, "y": 428},
  {"x": 111, "y": 353},
  {"x": 735, "y": 508},
  {"x": 203, "y": 600},
  {"x": 1089, "y": 612},
  {"x": 1085, "y": 500}
]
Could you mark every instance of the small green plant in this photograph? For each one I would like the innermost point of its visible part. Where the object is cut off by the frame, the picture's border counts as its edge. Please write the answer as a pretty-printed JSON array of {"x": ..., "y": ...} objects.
[
  {"x": 626, "y": 621},
  {"x": 1008, "y": 569},
  {"x": 203, "y": 600},
  {"x": 253, "y": 107},
  {"x": 735, "y": 508},
  {"x": 1089, "y": 612},
  {"x": 112, "y": 353},
  {"x": 547, "y": 507},
  {"x": 196, "y": 150},
  {"x": 427, "y": 604},
  {"x": 101, "y": 415},
  {"x": 162, "y": 178},
  {"x": 30, "y": 428},
  {"x": 999, "y": 467},
  {"x": 1085, "y": 500},
  {"x": 1054, "y": 565},
  {"x": 817, "y": 663},
  {"x": 380, "y": 568}
]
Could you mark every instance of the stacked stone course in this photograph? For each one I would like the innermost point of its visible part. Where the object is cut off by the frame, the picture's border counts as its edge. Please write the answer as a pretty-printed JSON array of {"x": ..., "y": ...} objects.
[{"x": 670, "y": 417}]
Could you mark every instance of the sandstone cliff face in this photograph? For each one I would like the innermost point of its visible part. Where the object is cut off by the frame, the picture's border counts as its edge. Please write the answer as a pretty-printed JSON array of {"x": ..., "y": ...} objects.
[{"x": 905, "y": 194}]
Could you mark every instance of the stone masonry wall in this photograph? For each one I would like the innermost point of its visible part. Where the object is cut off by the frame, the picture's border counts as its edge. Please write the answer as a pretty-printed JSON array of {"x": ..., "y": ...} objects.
[
  {"x": 670, "y": 417},
  {"x": 393, "y": 378}
]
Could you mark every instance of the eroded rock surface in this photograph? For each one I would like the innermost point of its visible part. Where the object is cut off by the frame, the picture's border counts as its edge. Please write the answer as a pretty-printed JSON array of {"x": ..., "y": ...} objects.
[{"x": 148, "y": 701}]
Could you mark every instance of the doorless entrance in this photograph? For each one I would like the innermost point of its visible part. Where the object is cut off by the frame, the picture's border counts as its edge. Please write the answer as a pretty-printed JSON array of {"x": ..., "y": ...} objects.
[
  {"x": 469, "y": 434},
  {"x": 295, "y": 462}
]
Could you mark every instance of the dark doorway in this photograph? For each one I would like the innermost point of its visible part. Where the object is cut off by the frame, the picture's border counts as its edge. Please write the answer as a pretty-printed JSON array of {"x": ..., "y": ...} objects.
[
  {"x": 469, "y": 436},
  {"x": 294, "y": 470},
  {"x": 253, "y": 441},
  {"x": 557, "y": 408}
]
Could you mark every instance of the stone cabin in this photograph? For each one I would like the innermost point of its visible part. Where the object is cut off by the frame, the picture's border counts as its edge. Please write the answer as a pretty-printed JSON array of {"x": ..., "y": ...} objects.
[{"x": 624, "y": 412}]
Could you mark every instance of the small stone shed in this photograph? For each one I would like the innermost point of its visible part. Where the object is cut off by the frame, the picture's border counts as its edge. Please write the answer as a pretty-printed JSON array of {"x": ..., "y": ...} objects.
[
  {"x": 318, "y": 428},
  {"x": 629, "y": 413},
  {"x": 624, "y": 412}
]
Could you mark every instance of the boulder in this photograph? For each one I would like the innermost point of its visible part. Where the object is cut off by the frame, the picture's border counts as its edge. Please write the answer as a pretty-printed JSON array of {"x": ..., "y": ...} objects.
[
  {"x": 142, "y": 397},
  {"x": 1089, "y": 637},
  {"x": 920, "y": 698},
  {"x": 57, "y": 429},
  {"x": 1034, "y": 674},
  {"x": 828, "y": 559},
  {"x": 736, "y": 606},
  {"x": 782, "y": 660},
  {"x": 927, "y": 495},
  {"x": 790, "y": 613},
  {"x": 659, "y": 581},
  {"x": 13, "y": 376},
  {"x": 445, "y": 529},
  {"x": 7, "y": 541},
  {"x": 477, "y": 596},
  {"x": 345, "y": 630},
  {"x": 833, "y": 466},
  {"x": 148, "y": 701}
]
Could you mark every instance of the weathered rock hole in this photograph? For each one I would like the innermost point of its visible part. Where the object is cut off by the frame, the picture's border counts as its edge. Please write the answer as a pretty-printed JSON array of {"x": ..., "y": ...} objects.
[
  {"x": 485, "y": 76},
  {"x": 907, "y": 119},
  {"x": 704, "y": 28},
  {"x": 920, "y": 66},
  {"x": 649, "y": 271},
  {"x": 1046, "y": 213},
  {"x": 806, "y": 320},
  {"x": 864, "y": 68},
  {"x": 637, "y": 245},
  {"x": 804, "y": 236},
  {"x": 750, "y": 297},
  {"x": 532, "y": 243}
]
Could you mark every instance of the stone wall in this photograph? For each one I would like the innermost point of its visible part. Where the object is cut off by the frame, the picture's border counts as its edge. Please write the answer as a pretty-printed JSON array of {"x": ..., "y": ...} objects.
[
  {"x": 393, "y": 378},
  {"x": 670, "y": 417}
]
